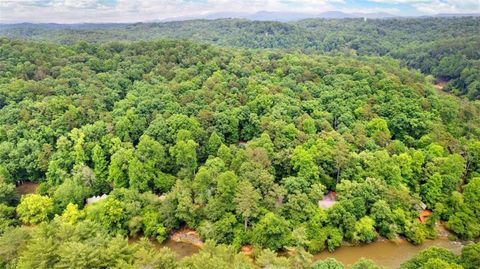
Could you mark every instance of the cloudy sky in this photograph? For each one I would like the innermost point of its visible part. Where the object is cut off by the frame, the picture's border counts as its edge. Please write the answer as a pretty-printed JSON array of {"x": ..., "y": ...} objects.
[{"x": 75, "y": 11}]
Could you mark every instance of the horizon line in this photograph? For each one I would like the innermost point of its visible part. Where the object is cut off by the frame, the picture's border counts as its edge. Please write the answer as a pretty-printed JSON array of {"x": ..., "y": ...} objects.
[{"x": 179, "y": 19}]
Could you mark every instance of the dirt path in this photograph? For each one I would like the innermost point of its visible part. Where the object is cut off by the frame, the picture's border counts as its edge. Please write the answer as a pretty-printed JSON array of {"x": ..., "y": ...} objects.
[{"x": 27, "y": 188}]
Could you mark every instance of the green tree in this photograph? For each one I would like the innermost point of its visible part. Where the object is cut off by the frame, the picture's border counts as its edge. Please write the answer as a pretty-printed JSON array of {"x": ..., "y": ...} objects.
[
  {"x": 71, "y": 214},
  {"x": 377, "y": 128},
  {"x": 246, "y": 198},
  {"x": 185, "y": 155},
  {"x": 308, "y": 125},
  {"x": 7, "y": 192},
  {"x": 221, "y": 256},
  {"x": 147, "y": 164},
  {"x": 214, "y": 143},
  {"x": 12, "y": 243},
  {"x": 271, "y": 232},
  {"x": 268, "y": 258},
  {"x": 34, "y": 209},
  {"x": 424, "y": 259},
  {"x": 384, "y": 219},
  {"x": 303, "y": 162},
  {"x": 432, "y": 190},
  {"x": 328, "y": 263},
  {"x": 365, "y": 264},
  {"x": 364, "y": 230},
  {"x": 341, "y": 157},
  {"x": 78, "y": 138},
  {"x": 118, "y": 168},
  {"x": 70, "y": 191},
  {"x": 164, "y": 182},
  {"x": 7, "y": 217},
  {"x": 416, "y": 233},
  {"x": 225, "y": 153},
  {"x": 100, "y": 168},
  {"x": 470, "y": 257}
]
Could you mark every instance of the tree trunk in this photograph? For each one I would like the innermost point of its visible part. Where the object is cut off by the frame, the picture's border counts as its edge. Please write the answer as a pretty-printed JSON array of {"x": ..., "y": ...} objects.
[{"x": 338, "y": 175}]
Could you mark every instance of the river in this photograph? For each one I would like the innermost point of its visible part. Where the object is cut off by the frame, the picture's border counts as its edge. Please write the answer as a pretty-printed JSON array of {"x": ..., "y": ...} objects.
[
  {"x": 180, "y": 248},
  {"x": 383, "y": 252},
  {"x": 386, "y": 253}
]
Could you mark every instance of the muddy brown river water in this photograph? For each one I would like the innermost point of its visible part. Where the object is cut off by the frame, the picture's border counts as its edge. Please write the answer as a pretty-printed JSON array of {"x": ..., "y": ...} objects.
[
  {"x": 386, "y": 253},
  {"x": 182, "y": 249}
]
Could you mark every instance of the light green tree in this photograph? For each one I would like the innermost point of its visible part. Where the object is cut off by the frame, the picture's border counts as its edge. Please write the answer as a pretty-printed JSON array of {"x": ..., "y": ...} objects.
[
  {"x": 247, "y": 199},
  {"x": 34, "y": 209}
]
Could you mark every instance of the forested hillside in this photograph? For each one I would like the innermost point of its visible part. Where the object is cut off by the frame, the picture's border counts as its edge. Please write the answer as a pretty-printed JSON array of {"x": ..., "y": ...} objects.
[
  {"x": 238, "y": 144},
  {"x": 447, "y": 48}
]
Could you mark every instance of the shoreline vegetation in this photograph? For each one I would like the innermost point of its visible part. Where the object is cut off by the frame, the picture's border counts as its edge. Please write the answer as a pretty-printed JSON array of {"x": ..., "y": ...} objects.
[
  {"x": 186, "y": 242},
  {"x": 189, "y": 236}
]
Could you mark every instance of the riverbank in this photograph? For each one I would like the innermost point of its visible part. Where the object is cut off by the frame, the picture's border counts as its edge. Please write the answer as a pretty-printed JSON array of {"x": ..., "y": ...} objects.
[
  {"x": 187, "y": 236},
  {"x": 390, "y": 254},
  {"x": 386, "y": 253}
]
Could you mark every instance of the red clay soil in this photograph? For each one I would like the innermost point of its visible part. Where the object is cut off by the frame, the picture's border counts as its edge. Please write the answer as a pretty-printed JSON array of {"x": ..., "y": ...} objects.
[
  {"x": 247, "y": 250},
  {"x": 424, "y": 215}
]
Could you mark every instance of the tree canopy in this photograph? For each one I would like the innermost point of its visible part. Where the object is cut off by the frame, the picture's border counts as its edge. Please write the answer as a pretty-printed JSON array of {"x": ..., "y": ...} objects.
[{"x": 238, "y": 144}]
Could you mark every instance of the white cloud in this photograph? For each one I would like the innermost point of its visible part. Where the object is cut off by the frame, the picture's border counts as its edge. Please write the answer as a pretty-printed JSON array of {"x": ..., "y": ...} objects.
[
  {"x": 448, "y": 6},
  {"x": 392, "y": 10},
  {"x": 438, "y": 6},
  {"x": 74, "y": 11},
  {"x": 400, "y": 1},
  {"x": 76, "y": 3}
]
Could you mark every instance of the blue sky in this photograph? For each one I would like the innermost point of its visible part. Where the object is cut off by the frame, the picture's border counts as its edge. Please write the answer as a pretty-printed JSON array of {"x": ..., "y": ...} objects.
[{"x": 75, "y": 11}]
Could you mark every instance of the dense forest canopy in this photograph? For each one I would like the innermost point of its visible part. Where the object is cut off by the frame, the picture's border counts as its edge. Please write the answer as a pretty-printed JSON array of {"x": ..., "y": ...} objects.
[
  {"x": 238, "y": 144},
  {"x": 447, "y": 48},
  {"x": 238, "y": 133}
]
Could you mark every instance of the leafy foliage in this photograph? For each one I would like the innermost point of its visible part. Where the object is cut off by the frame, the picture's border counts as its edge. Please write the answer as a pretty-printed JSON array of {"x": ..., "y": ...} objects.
[
  {"x": 238, "y": 144},
  {"x": 446, "y": 48}
]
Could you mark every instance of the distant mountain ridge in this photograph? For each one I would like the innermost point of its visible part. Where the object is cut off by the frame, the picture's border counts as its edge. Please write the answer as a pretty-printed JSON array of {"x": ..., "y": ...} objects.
[
  {"x": 281, "y": 16},
  {"x": 278, "y": 16}
]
